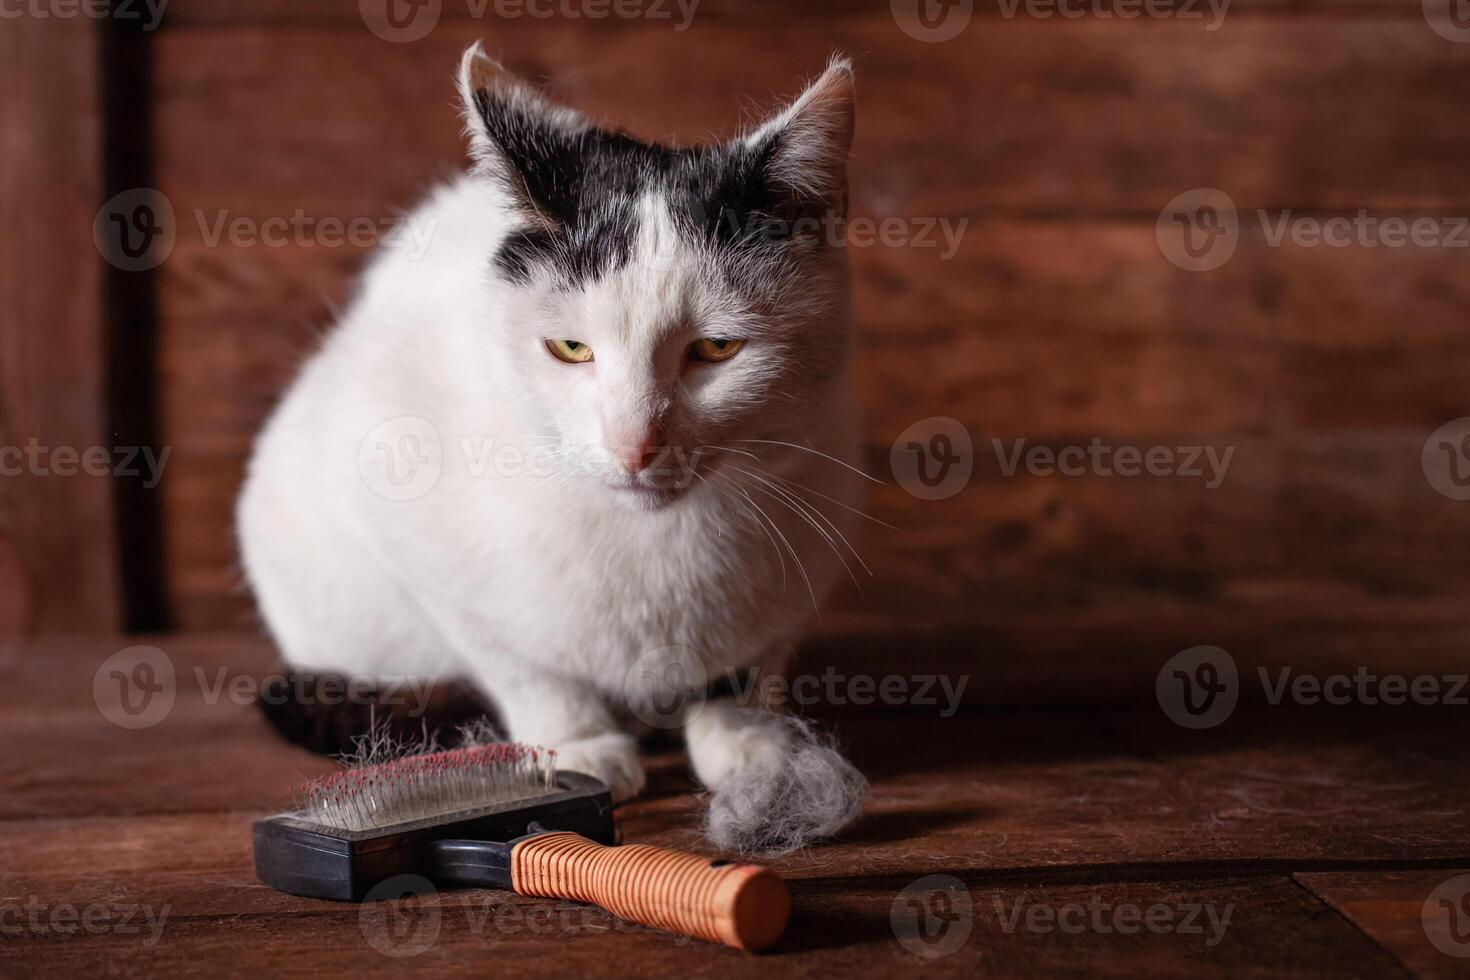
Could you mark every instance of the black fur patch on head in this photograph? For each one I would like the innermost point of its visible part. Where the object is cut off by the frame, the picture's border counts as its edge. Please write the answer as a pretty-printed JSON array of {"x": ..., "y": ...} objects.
[{"x": 578, "y": 189}]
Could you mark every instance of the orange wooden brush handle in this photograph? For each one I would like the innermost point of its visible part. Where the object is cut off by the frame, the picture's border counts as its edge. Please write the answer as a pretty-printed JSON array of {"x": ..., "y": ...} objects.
[{"x": 740, "y": 905}]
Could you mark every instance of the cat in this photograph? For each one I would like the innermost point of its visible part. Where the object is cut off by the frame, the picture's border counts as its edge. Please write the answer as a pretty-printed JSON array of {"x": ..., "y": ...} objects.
[{"x": 653, "y": 343}]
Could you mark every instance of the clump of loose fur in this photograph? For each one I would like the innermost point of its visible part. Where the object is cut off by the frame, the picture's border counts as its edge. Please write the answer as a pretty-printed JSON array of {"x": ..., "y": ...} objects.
[
  {"x": 782, "y": 803},
  {"x": 379, "y": 744}
]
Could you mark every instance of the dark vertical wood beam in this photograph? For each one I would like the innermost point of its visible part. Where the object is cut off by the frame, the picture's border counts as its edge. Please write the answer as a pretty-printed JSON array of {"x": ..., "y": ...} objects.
[{"x": 131, "y": 315}]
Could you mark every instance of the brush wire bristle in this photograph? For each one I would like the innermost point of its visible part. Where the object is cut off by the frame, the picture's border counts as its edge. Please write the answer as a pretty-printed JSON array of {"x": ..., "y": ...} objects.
[{"x": 416, "y": 787}]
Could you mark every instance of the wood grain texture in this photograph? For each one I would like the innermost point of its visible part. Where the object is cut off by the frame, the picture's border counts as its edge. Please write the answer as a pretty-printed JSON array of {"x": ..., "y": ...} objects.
[
  {"x": 1056, "y": 319},
  {"x": 1056, "y": 811},
  {"x": 57, "y": 560},
  {"x": 842, "y": 927},
  {"x": 1080, "y": 118},
  {"x": 493, "y": 16},
  {"x": 1390, "y": 908}
]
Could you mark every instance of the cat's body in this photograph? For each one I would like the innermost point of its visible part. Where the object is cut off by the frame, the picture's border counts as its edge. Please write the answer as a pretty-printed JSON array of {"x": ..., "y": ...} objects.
[{"x": 441, "y": 493}]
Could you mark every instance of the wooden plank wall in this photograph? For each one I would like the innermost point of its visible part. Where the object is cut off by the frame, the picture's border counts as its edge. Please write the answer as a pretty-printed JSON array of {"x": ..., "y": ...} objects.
[
  {"x": 1058, "y": 320},
  {"x": 58, "y": 569}
]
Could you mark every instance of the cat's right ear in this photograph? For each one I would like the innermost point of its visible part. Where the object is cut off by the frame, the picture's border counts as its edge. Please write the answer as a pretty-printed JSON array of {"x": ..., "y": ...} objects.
[{"x": 518, "y": 137}]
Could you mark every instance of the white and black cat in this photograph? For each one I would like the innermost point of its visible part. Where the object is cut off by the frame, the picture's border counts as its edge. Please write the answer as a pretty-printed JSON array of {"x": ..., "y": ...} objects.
[{"x": 663, "y": 333}]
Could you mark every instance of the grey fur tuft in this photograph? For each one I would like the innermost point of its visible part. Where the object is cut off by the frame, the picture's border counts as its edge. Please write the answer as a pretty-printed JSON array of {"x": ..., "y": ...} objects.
[{"x": 783, "y": 804}]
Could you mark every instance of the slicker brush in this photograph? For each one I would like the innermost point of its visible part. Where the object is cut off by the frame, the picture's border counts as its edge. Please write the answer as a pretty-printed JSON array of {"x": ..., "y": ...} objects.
[{"x": 500, "y": 815}]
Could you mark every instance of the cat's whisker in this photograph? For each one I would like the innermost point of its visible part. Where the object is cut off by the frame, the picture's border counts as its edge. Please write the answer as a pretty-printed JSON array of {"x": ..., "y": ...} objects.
[
  {"x": 757, "y": 516},
  {"x": 815, "y": 452},
  {"x": 801, "y": 486},
  {"x": 790, "y": 550},
  {"x": 845, "y": 506},
  {"x": 804, "y": 504},
  {"x": 728, "y": 449},
  {"x": 756, "y": 520},
  {"x": 789, "y": 502},
  {"x": 563, "y": 475}
]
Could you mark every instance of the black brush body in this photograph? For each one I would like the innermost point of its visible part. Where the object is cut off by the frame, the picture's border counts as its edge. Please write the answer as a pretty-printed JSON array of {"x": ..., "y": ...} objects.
[{"x": 470, "y": 848}]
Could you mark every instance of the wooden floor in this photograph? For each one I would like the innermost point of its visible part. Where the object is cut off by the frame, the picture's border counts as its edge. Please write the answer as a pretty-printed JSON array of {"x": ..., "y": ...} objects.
[{"x": 1078, "y": 842}]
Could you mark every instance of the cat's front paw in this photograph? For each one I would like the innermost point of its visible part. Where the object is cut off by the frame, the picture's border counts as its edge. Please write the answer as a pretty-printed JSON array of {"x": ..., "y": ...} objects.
[
  {"x": 783, "y": 787},
  {"x": 612, "y": 758}
]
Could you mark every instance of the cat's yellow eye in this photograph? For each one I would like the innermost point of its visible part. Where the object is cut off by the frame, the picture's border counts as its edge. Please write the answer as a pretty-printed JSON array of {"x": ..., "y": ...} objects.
[
  {"x": 571, "y": 351},
  {"x": 714, "y": 349}
]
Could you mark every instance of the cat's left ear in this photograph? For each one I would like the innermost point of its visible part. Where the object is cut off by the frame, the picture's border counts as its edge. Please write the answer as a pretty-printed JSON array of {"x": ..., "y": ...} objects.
[
  {"x": 804, "y": 147},
  {"x": 517, "y": 135}
]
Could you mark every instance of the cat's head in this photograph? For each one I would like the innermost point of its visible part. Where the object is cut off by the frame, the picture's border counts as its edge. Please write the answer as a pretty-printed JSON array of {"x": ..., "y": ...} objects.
[{"x": 660, "y": 302}]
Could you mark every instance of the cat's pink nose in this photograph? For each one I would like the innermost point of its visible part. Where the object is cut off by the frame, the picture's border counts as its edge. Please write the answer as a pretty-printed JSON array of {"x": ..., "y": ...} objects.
[{"x": 638, "y": 454}]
